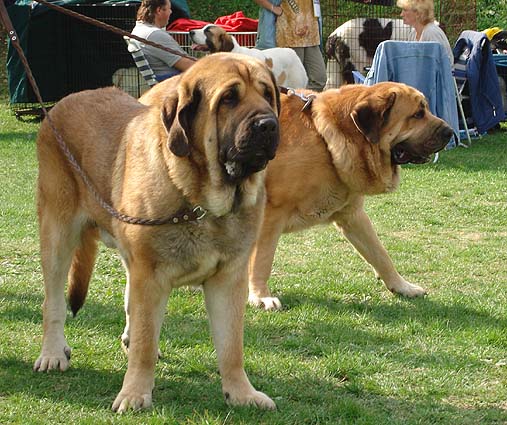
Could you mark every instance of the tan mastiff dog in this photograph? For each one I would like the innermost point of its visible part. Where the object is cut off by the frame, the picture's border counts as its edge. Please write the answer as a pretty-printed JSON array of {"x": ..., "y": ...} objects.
[
  {"x": 348, "y": 144},
  {"x": 201, "y": 151}
]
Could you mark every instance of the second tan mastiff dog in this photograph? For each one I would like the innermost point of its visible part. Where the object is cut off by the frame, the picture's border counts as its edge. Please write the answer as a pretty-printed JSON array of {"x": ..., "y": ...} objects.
[
  {"x": 348, "y": 144},
  {"x": 195, "y": 161}
]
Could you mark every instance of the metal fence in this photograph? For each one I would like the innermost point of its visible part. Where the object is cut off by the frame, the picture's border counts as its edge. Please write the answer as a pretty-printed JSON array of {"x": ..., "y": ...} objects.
[{"x": 453, "y": 16}]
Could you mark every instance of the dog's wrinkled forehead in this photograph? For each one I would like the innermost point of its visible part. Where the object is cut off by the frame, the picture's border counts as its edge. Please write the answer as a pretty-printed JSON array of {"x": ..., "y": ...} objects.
[
  {"x": 420, "y": 103},
  {"x": 223, "y": 69},
  {"x": 410, "y": 100}
]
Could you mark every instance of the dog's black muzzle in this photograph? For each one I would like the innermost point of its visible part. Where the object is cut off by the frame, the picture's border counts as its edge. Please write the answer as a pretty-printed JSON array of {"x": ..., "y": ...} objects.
[
  {"x": 408, "y": 152},
  {"x": 251, "y": 147}
]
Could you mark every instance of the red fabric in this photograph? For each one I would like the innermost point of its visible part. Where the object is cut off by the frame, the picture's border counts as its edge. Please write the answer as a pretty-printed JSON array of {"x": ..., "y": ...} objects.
[
  {"x": 237, "y": 22},
  {"x": 186, "y": 25}
]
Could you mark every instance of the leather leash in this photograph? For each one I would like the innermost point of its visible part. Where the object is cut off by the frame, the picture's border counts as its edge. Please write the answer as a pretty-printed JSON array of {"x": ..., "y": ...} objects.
[{"x": 186, "y": 215}]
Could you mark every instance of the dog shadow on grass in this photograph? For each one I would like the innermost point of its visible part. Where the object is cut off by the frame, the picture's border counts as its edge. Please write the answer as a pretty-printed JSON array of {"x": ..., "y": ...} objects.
[
  {"x": 280, "y": 348},
  {"x": 306, "y": 398}
]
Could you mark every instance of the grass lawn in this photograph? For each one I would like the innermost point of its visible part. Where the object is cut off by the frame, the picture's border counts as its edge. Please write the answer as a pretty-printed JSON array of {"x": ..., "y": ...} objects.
[{"x": 343, "y": 351}]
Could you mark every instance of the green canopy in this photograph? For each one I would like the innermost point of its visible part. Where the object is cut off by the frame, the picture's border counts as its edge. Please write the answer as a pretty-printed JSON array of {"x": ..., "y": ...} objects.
[{"x": 66, "y": 54}]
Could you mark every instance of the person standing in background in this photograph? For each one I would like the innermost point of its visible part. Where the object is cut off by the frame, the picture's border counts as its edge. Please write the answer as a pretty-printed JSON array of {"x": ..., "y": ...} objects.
[
  {"x": 297, "y": 27},
  {"x": 266, "y": 31}
]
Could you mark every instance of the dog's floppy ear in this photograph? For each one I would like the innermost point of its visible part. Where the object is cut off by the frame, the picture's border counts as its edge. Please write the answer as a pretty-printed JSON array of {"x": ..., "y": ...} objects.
[
  {"x": 331, "y": 46},
  {"x": 177, "y": 113},
  {"x": 388, "y": 31},
  {"x": 226, "y": 44},
  {"x": 277, "y": 95},
  {"x": 369, "y": 117}
]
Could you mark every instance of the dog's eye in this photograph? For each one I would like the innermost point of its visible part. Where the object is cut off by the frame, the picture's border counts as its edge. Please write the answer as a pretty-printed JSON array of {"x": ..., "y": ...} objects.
[
  {"x": 268, "y": 95},
  {"x": 419, "y": 114},
  {"x": 230, "y": 98}
]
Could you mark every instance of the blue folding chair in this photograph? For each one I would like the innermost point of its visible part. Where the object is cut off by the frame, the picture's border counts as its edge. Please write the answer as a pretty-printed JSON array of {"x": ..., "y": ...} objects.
[
  {"x": 358, "y": 77},
  {"x": 473, "y": 53}
]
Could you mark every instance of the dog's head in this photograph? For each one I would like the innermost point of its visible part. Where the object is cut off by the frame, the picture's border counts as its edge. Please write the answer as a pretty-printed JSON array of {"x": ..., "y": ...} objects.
[
  {"x": 213, "y": 38},
  {"x": 383, "y": 126},
  {"x": 397, "y": 117},
  {"x": 337, "y": 48},
  {"x": 499, "y": 41},
  {"x": 373, "y": 34},
  {"x": 224, "y": 117}
]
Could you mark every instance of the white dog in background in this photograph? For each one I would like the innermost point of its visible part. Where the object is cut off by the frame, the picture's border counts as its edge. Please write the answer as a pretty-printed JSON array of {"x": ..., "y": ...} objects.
[{"x": 283, "y": 62}]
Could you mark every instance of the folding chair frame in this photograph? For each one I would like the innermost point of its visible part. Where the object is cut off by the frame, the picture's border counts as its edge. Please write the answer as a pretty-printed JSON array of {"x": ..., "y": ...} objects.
[
  {"x": 459, "y": 99},
  {"x": 134, "y": 47}
]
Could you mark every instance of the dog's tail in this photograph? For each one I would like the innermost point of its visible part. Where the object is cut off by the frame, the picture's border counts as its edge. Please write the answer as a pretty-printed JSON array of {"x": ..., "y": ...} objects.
[{"x": 81, "y": 269}]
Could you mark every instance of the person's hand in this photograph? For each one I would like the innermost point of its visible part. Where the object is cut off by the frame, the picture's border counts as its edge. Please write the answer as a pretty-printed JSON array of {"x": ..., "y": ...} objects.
[
  {"x": 276, "y": 10},
  {"x": 302, "y": 28}
]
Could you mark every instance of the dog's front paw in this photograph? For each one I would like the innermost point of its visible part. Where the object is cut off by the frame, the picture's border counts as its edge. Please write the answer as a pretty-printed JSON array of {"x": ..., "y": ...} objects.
[
  {"x": 58, "y": 359},
  {"x": 131, "y": 400},
  {"x": 407, "y": 289},
  {"x": 252, "y": 398},
  {"x": 267, "y": 303}
]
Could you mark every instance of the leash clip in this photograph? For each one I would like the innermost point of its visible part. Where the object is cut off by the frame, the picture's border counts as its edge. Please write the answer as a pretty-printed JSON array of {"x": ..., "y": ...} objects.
[
  {"x": 307, "y": 99},
  {"x": 308, "y": 102},
  {"x": 200, "y": 212}
]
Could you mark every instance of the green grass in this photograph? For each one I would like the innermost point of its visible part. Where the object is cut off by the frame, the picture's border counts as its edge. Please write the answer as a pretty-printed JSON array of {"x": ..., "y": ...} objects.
[{"x": 343, "y": 350}]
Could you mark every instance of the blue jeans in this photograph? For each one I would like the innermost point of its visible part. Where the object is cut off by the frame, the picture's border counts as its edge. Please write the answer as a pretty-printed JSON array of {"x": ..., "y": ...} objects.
[
  {"x": 266, "y": 29},
  {"x": 163, "y": 77}
]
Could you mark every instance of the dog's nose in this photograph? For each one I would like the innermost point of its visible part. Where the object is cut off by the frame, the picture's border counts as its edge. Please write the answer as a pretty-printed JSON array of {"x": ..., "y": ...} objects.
[
  {"x": 443, "y": 136},
  {"x": 446, "y": 133},
  {"x": 268, "y": 125},
  {"x": 268, "y": 134},
  {"x": 191, "y": 32}
]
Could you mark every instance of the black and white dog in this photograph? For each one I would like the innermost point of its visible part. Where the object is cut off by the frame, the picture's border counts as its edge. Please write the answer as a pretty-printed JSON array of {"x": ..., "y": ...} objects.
[
  {"x": 352, "y": 45},
  {"x": 499, "y": 42}
]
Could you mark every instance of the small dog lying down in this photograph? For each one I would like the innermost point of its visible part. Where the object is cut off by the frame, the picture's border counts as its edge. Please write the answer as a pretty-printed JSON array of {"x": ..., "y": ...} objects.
[{"x": 283, "y": 62}]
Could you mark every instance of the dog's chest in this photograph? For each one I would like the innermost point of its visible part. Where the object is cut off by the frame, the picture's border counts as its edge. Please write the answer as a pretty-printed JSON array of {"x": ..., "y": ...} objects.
[
  {"x": 189, "y": 254},
  {"x": 318, "y": 209},
  {"x": 196, "y": 255}
]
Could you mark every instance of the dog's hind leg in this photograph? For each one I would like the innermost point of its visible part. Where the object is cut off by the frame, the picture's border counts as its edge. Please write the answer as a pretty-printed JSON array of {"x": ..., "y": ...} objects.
[
  {"x": 60, "y": 231},
  {"x": 125, "y": 337},
  {"x": 81, "y": 268}
]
